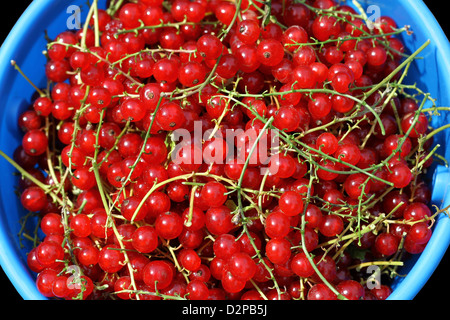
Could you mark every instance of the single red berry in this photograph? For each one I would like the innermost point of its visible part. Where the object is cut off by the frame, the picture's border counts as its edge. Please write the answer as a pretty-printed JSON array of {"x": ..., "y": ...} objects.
[
  {"x": 278, "y": 250},
  {"x": 170, "y": 116},
  {"x": 33, "y": 199},
  {"x": 242, "y": 266},
  {"x": 51, "y": 223},
  {"x": 277, "y": 225},
  {"x": 351, "y": 289},
  {"x": 44, "y": 282},
  {"x": 48, "y": 253},
  {"x": 191, "y": 73},
  {"x": 331, "y": 225},
  {"x": 111, "y": 258},
  {"x": 420, "y": 126},
  {"x": 80, "y": 225},
  {"x": 400, "y": 175},
  {"x": 230, "y": 283},
  {"x": 209, "y": 47},
  {"x": 270, "y": 52},
  {"x": 301, "y": 266},
  {"x": 197, "y": 290},
  {"x": 189, "y": 259},
  {"x": 145, "y": 239}
]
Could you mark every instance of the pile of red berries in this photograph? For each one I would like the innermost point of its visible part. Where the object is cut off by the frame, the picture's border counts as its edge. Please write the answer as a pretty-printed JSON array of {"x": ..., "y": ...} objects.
[{"x": 128, "y": 214}]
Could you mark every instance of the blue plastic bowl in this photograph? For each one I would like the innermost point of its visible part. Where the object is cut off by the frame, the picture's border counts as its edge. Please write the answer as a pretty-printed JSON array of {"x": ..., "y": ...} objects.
[{"x": 26, "y": 42}]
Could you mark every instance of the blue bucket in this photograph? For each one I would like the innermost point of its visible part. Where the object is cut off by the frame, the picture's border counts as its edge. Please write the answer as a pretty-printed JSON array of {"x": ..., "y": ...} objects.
[{"x": 26, "y": 42}]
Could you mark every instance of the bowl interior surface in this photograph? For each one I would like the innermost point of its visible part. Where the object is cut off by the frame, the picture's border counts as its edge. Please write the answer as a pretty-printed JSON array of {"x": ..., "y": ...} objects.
[{"x": 26, "y": 43}]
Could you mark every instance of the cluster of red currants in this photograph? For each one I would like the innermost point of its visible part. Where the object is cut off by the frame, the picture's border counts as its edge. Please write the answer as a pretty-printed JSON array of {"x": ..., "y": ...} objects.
[{"x": 141, "y": 223}]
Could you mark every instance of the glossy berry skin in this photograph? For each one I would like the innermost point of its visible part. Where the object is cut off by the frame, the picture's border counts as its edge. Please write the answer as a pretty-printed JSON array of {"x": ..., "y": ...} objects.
[
  {"x": 170, "y": 117},
  {"x": 169, "y": 225},
  {"x": 282, "y": 165},
  {"x": 191, "y": 74},
  {"x": 242, "y": 266},
  {"x": 326, "y": 266},
  {"x": 400, "y": 175},
  {"x": 416, "y": 211},
  {"x": 194, "y": 219},
  {"x": 327, "y": 143},
  {"x": 287, "y": 119},
  {"x": 277, "y": 225},
  {"x": 386, "y": 244},
  {"x": 230, "y": 283},
  {"x": 57, "y": 71},
  {"x": 44, "y": 282},
  {"x": 88, "y": 256},
  {"x": 35, "y": 142},
  {"x": 278, "y": 250},
  {"x": 81, "y": 225},
  {"x": 197, "y": 290},
  {"x": 321, "y": 292},
  {"x": 348, "y": 154},
  {"x": 292, "y": 36},
  {"x": 83, "y": 178},
  {"x": 382, "y": 292},
  {"x": 395, "y": 142},
  {"x": 319, "y": 106},
  {"x": 165, "y": 70},
  {"x": 200, "y": 222},
  {"x": 51, "y": 224},
  {"x": 99, "y": 224},
  {"x": 301, "y": 266},
  {"x": 351, "y": 290},
  {"x": 419, "y": 233},
  {"x": 376, "y": 56},
  {"x": 225, "y": 246},
  {"x": 218, "y": 220},
  {"x": 132, "y": 110},
  {"x": 291, "y": 203},
  {"x": 145, "y": 239},
  {"x": 111, "y": 259},
  {"x": 189, "y": 259},
  {"x": 214, "y": 194},
  {"x": 48, "y": 253},
  {"x": 209, "y": 47},
  {"x": 270, "y": 52},
  {"x": 419, "y": 127},
  {"x": 331, "y": 225},
  {"x": 33, "y": 199},
  {"x": 60, "y": 288},
  {"x": 313, "y": 215},
  {"x": 356, "y": 184}
]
